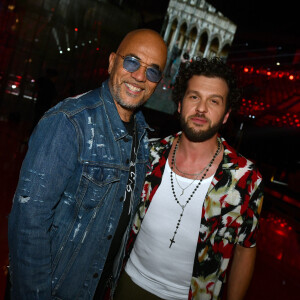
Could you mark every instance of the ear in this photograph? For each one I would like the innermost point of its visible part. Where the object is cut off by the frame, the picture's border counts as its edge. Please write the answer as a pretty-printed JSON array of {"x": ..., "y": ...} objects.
[
  {"x": 179, "y": 107},
  {"x": 226, "y": 116},
  {"x": 111, "y": 61}
]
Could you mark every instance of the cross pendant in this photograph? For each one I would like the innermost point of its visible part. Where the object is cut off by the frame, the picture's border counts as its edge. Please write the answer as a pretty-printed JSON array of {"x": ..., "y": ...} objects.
[{"x": 172, "y": 242}]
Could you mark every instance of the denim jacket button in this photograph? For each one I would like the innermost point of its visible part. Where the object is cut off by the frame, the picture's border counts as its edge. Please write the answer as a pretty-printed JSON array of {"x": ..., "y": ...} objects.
[
  {"x": 95, "y": 275},
  {"x": 109, "y": 237},
  {"x": 127, "y": 161},
  {"x": 125, "y": 139},
  {"x": 121, "y": 199}
]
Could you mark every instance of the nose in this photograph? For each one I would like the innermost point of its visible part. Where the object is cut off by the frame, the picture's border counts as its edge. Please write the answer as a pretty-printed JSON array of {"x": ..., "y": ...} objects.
[
  {"x": 140, "y": 74},
  {"x": 201, "y": 106}
]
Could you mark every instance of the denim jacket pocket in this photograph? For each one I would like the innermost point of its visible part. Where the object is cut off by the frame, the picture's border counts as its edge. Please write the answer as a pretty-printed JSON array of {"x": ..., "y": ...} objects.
[{"x": 96, "y": 182}]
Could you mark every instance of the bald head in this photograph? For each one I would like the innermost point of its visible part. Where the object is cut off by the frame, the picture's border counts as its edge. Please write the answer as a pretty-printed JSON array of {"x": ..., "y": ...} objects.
[
  {"x": 148, "y": 38},
  {"x": 133, "y": 82}
]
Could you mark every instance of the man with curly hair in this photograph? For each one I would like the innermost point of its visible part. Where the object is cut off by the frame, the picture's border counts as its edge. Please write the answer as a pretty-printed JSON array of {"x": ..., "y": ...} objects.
[{"x": 200, "y": 203}]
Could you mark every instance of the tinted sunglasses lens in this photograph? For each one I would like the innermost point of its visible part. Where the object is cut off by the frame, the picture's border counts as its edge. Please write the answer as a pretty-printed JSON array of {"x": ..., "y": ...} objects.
[
  {"x": 153, "y": 74},
  {"x": 131, "y": 64}
]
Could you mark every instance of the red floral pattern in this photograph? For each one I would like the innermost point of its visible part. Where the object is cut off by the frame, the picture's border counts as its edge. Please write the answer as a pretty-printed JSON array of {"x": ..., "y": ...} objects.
[{"x": 230, "y": 215}]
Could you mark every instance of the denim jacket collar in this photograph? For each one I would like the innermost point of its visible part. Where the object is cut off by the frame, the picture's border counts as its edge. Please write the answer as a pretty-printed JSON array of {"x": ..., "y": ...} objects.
[{"x": 113, "y": 116}]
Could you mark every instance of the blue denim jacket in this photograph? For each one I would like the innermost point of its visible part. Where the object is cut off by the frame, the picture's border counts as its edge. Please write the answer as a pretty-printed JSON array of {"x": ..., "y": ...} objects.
[{"x": 69, "y": 197}]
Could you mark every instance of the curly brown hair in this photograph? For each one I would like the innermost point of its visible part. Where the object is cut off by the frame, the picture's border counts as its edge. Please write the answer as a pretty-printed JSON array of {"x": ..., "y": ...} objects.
[{"x": 213, "y": 67}]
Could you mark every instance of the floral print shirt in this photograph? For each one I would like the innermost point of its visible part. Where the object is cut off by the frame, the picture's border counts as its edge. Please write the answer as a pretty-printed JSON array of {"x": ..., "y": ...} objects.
[{"x": 230, "y": 215}]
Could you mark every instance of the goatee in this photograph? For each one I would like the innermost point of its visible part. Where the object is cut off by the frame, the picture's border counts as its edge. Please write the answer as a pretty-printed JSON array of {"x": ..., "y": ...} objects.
[{"x": 199, "y": 135}]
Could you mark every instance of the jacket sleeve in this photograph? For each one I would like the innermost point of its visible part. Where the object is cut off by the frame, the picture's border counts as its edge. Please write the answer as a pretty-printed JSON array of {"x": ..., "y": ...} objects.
[{"x": 49, "y": 163}]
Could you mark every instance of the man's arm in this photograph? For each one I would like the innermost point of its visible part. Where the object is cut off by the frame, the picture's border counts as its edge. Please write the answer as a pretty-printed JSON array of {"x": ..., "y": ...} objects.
[
  {"x": 241, "y": 272},
  {"x": 47, "y": 167}
]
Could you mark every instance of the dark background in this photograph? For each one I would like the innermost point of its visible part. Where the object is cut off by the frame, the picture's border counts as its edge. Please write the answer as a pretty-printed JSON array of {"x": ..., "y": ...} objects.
[{"x": 267, "y": 32}]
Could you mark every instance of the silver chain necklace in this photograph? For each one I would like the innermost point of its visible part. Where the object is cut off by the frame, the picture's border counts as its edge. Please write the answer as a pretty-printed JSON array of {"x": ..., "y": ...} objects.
[
  {"x": 196, "y": 175},
  {"x": 183, "y": 189},
  {"x": 189, "y": 174},
  {"x": 172, "y": 240}
]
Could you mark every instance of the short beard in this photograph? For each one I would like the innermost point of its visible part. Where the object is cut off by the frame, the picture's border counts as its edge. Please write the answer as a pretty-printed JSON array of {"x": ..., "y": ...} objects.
[
  {"x": 116, "y": 92},
  {"x": 198, "y": 136}
]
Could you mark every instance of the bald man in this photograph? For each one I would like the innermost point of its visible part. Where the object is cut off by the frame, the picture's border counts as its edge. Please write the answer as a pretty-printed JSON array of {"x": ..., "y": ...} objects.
[{"x": 81, "y": 181}]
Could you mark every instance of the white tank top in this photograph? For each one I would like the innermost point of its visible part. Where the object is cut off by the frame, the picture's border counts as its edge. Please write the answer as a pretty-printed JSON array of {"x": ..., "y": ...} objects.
[{"x": 163, "y": 271}]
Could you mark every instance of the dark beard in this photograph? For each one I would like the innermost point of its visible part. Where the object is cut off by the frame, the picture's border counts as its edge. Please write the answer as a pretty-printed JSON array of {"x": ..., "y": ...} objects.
[{"x": 199, "y": 135}]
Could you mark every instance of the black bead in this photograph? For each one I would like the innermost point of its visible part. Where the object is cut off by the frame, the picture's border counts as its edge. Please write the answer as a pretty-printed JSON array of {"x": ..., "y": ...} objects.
[{"x": 199, "y": 183}]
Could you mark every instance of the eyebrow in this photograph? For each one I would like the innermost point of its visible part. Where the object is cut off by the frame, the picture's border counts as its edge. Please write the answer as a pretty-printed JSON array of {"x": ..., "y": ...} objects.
[
  {"x": 151, "y": 65},
  {"x": 198, "y": 94}
]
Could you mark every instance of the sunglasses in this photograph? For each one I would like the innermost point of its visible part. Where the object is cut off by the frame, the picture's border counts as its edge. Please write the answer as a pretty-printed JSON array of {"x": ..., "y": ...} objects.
[{"x": 132, "y": 64}]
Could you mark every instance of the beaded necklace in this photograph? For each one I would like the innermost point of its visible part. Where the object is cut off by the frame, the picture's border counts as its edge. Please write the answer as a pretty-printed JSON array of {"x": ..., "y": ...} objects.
[{"x": 172, "y": 240}]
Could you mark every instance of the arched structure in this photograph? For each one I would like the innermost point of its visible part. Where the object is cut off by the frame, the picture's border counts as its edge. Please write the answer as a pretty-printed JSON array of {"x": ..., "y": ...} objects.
[{"x": 196, "y": 26}]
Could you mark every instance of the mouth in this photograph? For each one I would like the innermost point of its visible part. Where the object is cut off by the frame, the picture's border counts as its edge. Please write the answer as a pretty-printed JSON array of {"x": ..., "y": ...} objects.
[
  {"x": 199, "y": 120},
  {"x": 132, "y": 88}
]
